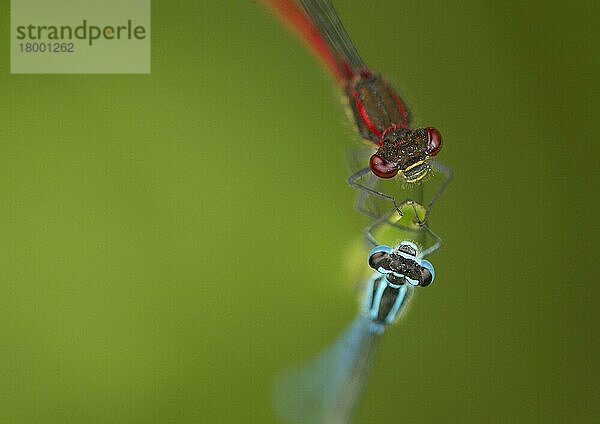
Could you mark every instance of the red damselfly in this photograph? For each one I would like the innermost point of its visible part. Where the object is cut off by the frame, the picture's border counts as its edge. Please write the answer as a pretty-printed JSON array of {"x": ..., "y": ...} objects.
[{"x": 381, "y": 116}]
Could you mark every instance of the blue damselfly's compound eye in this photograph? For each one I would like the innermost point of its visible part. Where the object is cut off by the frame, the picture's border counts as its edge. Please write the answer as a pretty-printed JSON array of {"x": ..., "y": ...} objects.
[
  {"x": 377, "y": 255},
  {"x": 427, "y": 273}
]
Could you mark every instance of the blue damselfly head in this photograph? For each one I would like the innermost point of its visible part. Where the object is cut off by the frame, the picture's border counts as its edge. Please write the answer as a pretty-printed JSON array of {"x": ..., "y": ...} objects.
[{"x": 402, "y": 265}]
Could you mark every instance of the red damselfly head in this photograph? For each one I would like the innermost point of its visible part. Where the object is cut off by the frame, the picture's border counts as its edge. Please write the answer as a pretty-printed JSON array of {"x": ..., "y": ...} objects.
[{"x": 405, "y": 151}]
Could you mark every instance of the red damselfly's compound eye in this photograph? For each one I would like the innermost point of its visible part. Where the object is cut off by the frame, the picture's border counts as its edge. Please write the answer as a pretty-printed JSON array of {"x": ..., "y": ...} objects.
[
  {"x": 382, "y": 168},
  {"x": 434, "y": 141}
]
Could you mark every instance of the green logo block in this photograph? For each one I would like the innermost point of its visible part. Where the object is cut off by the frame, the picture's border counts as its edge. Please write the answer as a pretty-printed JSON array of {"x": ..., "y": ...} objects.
[{"x": 80, "y": 36}]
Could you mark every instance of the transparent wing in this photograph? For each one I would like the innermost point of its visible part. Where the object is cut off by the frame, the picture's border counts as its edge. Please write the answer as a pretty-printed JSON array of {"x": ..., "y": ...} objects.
[
  {"x": 328, "y": 389},
  {"x": 324, "y": 16}
]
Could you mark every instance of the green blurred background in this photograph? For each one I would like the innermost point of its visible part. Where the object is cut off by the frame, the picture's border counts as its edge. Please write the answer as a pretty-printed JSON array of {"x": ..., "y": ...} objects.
[{"x": 169, "y": 241}]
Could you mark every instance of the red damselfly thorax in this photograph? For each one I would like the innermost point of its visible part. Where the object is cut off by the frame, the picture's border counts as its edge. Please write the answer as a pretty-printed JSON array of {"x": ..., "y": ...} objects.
[{"x": 382, "y": 118}]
